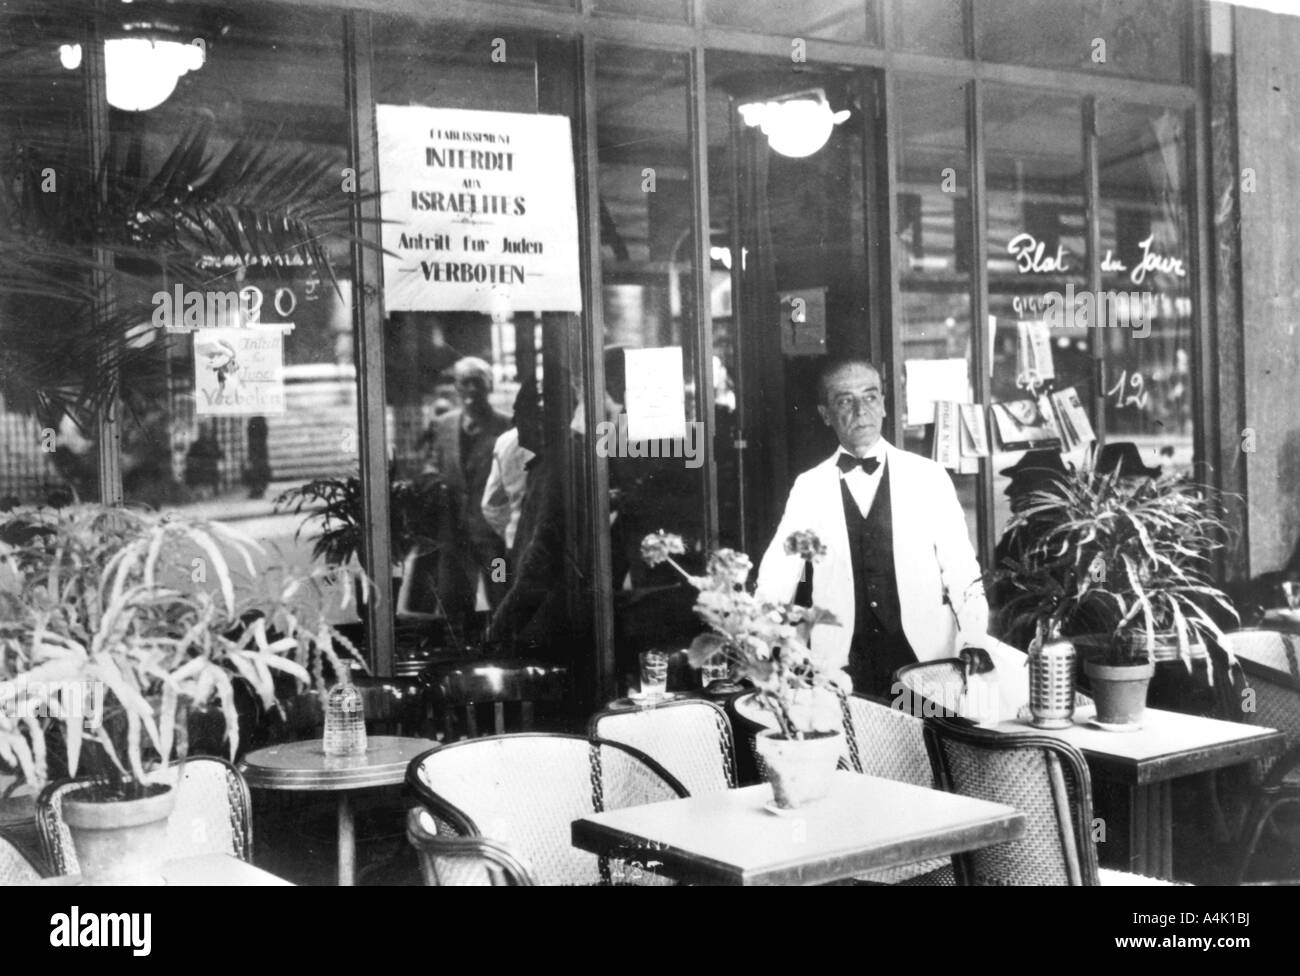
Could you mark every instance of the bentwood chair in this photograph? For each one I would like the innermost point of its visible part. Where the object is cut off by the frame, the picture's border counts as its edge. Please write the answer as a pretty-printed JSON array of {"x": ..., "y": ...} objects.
[
  {"x": 462, "y": 861},
  {"x": 15, "y": 868},
  {"x": 525, "y": 791},
  {"x": 459, "y": 691},
  {"x": 1044, "y": 778},
  {"x": 690, "y": 738},
  {"x": 1271, "y": 664},
  {"x": 212, "y": 815}
]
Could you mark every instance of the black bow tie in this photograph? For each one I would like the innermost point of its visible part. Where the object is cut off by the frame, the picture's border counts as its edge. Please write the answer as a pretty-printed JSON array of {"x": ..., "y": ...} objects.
[{"x": 848, "y": 462}]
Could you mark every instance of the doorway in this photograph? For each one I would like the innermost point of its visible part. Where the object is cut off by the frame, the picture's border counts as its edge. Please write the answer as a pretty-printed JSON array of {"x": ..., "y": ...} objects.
[{"x": 796, "y": 187}]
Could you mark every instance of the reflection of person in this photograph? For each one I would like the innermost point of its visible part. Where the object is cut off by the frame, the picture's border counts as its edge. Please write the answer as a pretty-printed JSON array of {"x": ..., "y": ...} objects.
[
  {"x": 503, "y": 495},
  {"x": 897, "y": 546},
  {"x": 459, "y": 446}
]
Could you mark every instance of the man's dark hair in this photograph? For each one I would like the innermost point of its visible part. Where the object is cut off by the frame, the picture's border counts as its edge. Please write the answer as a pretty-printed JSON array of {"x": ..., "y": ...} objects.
[{"x": 837, "y": 364}]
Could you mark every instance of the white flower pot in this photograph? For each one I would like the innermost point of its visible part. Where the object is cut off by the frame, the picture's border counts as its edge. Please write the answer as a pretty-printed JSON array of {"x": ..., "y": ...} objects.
[{"x": 800, "y": 770}]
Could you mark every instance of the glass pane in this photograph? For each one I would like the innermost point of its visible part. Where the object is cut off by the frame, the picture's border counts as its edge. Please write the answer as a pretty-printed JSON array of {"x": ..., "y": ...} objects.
[
  {"x": 933, "y": 236},
  {"x": 481, "y": 403},
  {"x": 1146, "y": 279},
  {"x": 930, "y": 27},
  {"x": 789, "y": 232},
  {"x": 1137, "y": 38},
  {"x": 47, "y": 448},
  {"x": 252, "y": 389},
  {"x": 852, "y": 21},
  {"x": 654, "y": 9},
  {"x": 647, "y": 263},
  {"x": 1036, "y": 248}
]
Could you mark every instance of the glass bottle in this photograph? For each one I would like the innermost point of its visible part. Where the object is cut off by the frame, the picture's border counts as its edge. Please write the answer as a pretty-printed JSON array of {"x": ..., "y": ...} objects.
[{"x": 345, "y": 720}]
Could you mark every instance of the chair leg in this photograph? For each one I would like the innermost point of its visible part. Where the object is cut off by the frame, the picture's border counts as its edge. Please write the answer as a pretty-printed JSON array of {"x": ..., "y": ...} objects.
[{"x": 1257, "y": 817}]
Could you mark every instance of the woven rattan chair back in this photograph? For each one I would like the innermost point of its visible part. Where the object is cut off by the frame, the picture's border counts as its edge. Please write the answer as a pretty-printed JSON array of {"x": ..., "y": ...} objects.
[
  {"x": 14, "y": 866},
  {"x": 213, "y": 815},
  {"x": 525, "y": 791},
  {"x": 1271, "y": 663},
  {"x": 690, "y": 738},
  {"x": 886, "y": 742},
  {"x": 1042, "y": 777},
  {"x": 461, "y": 693},
  {"x": 462, "y": 861}
]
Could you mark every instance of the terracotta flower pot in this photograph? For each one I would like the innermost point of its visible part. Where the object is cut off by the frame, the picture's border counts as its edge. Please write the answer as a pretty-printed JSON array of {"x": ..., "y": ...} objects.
[
  {"x": 119, "y": 842},
  {"x": 800, "y": 770},
  {"x": 1120, "y": 692}
]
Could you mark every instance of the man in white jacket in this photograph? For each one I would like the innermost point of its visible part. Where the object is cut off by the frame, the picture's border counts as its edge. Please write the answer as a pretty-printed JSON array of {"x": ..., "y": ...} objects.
[{"x": 899, "y": 571}]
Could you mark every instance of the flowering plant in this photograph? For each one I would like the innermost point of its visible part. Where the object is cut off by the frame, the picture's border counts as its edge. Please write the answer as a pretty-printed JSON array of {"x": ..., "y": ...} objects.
[{"x": 765, "y": 642}]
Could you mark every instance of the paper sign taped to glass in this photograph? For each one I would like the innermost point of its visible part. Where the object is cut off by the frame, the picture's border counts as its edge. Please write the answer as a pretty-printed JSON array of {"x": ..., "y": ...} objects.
[
  {"x": 480, "y": 212},
  {"x": 960, "y": 437},
  {"x": 1034, "y": 364},
  {"x": 1072, "y": 420},
  {"x": 239, "y": 371},
  {"x": 656, "y": 393},
  {"x": 1026, "y": 424}
]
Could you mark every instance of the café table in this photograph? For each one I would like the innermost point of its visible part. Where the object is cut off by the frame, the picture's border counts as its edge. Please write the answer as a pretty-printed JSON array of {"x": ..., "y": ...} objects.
[
  {"x": 1142, "y": 766},
  {"x": 733, "y": 837},
  {"x": 303, "y": 766},
  {"x": 202, "y": 870}
]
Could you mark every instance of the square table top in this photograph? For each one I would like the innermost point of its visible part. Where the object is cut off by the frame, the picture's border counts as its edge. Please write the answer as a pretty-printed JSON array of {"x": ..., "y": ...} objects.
[
  {"x": 1168, "y": 745},
  {"x": 865, "y": 823},
  {"x": 202, "y": 870}
]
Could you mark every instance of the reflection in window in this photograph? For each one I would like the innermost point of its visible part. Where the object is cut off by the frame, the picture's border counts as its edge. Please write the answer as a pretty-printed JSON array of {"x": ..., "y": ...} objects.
[
  {"x": 481, "y": 418},
  {"x": 1036, "y": 250},
  {"x": 45, "y": 309},
  {"x": 261, "y": 396},
  {"x": 1146, "y": 276},
  {"x": 930, "y": 27},
  {"x": 1136, "y": 38},
  {"x": 840, "y": 20},
  {"x": 647, "y": 263},
  {"x": 933, "y": 237}
]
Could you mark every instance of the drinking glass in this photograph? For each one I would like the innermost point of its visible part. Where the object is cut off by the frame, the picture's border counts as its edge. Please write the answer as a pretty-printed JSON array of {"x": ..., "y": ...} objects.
[
  {"x": 1291, "y": 588},
  {"x": 654, "y": 673},
  {"x": 714, "y": 669}
]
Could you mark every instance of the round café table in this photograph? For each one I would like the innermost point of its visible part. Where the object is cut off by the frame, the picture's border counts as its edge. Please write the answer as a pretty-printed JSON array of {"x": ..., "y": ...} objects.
[{"x": 304, "y": 766}]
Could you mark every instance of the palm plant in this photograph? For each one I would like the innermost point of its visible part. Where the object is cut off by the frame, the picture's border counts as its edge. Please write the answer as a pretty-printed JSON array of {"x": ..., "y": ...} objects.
[
  {"x": 115, "y": 623},
  {"x": 1128, "y": 561},
  {"x": 82, "y": 263}
]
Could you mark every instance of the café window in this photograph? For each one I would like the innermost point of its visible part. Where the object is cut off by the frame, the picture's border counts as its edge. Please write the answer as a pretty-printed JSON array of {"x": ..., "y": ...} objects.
[
  {"x": 1037, "y": 253},
  {"x": 486, "y": 439},
  {"x": 850, "y": 21},
  {"x": 1133, "y": 38},
  {"x": 654, "y": 448},
  {"x": 1146, "y": 256},
  {"x": 932, "y": 249}
]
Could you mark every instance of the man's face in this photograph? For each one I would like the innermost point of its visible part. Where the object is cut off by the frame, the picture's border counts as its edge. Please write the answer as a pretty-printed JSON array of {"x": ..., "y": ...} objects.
[
  {"x": 854, "y": 407},
  {"x": 473, "y": 392}
]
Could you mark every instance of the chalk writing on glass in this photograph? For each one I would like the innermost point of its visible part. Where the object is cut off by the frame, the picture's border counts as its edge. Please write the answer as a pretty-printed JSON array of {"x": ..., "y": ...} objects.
[{"x": 1136, "y": 395}]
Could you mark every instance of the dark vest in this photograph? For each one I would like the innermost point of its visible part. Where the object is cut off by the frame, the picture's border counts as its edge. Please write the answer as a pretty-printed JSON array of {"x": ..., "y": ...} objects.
[{"x": 879, "y": 645}]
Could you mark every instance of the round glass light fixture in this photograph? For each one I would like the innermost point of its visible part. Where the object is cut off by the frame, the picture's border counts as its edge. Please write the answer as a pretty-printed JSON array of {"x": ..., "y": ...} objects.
[
  {"x": 797, "y": 125},
  {"x": 142, "y": 72}
]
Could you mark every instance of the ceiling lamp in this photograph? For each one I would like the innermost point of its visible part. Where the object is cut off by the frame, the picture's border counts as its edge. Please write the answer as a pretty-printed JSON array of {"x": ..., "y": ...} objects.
[
  {"x": 142, "y": 72},
  {"x": 796, "y": 125}
]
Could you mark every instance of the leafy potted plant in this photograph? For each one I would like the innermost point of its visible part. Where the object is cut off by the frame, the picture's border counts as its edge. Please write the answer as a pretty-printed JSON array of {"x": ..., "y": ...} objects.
[
  {"x": 768, "y": 644},
  {"x": 114, "y": 624},
  {"x": 1120, "y": 567}
]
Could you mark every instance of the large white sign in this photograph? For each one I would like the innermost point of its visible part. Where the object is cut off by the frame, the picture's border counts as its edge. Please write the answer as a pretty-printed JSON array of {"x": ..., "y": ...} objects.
[{"x": 479, "y": 211}]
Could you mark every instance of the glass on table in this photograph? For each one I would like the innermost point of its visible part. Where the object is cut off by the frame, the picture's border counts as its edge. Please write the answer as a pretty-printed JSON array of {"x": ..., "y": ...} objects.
[
  {"x": 654, "y": 674},
  {"x": 715, "y": 668},
  {"x": 1291, "y": 590}
]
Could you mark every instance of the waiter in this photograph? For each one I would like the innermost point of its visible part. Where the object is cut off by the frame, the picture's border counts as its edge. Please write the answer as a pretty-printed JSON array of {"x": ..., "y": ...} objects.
[{"x": 899, "y": 572}]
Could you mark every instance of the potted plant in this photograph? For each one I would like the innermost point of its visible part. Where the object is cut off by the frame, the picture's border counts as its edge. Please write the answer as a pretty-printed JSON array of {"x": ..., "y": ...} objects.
[
  {"x": 768, "y": 645},
  {"x": 1121, "y": 568},
  {"x": 114, "y": 625}
]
